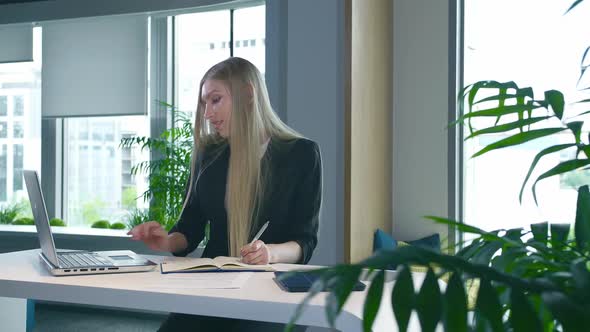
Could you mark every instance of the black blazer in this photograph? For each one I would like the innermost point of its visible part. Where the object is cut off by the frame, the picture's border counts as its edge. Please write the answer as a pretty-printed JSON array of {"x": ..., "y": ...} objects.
[{"x": 292, "y": 175}]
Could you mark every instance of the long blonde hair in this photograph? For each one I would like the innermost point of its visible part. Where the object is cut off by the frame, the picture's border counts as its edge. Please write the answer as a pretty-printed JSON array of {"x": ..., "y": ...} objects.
[{"x": 252, "y": 120}]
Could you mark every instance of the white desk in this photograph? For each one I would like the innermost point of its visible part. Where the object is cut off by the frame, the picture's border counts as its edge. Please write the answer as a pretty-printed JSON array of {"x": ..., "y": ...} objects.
[{"x": 23, "y": 276}]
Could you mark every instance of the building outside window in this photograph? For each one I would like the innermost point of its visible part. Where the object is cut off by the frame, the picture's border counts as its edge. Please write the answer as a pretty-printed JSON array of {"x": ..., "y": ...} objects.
[
  {"x": 20, "y": 124},
  {"x": 99, "y": 182}
]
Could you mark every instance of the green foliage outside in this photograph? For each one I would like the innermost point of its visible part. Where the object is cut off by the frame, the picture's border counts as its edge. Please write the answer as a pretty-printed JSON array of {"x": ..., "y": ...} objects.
[
  {"x": 57, "y": 222},
  {"x": 24, "y": 208},
  {"x": 15, "y": 210},
  {"x": 535, "y": 279},
  {"x": 101, "y": 224},
  {"x": 167, "y": 174},
  {"x": 8, "y": 214},
  {"x": 136, "y": 217},
  {"x": 24, "y": 221},
  {"x": 129, "y": 198},
  {"x": 91, "y": 210},
  {"x": 20, "y": 213},
  {"x": 118, "y": 225}
]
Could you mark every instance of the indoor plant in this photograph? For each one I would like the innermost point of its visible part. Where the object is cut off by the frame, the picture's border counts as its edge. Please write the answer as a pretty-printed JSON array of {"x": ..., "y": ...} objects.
[
  {"x": 167, "y": 175},
  {"x": 537, "y": 280}
]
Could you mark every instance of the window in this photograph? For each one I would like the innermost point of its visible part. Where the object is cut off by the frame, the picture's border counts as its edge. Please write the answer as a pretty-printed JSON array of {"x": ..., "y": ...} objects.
[
  {"x": 202, "y": 40},
  {"x": 194, "y": 33},
  {"x": 20, "y": 123},
  {"x": 99, "y": 177},
  {"x": 517, "y": 50},
  {"x": 250, "y": 27}
]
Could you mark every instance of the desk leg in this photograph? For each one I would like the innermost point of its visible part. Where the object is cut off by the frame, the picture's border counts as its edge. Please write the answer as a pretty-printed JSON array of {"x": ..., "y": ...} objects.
[{"x": 17, "y": 314}]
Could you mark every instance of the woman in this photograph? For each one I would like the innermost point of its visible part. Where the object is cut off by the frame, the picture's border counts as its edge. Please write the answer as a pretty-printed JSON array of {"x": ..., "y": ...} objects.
[{"x": 247, "y": 168}]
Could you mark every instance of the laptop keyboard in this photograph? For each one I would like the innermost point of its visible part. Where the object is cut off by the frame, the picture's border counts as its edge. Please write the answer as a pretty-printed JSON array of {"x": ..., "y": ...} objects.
[{"x": 81, "y": 260}]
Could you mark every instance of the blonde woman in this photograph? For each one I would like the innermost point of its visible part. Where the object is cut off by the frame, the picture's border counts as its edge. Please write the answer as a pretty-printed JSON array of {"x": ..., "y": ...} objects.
[{"x": 247, "y": 168}]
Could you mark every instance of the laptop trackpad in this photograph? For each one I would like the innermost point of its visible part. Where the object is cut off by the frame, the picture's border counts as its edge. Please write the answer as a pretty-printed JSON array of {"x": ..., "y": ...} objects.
[
  {"x": 118, "y": 258},
  {"x": 124, "y": 258}
]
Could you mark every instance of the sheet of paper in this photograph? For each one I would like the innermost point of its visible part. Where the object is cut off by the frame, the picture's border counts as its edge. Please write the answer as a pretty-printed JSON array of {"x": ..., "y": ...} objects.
[{"x": 209, "y": 280}]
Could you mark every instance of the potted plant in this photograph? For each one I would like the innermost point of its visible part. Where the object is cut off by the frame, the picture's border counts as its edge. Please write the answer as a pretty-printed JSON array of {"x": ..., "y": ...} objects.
[
  {"x": 524, "y": 280},
  {"x": 168, "y": 175}
]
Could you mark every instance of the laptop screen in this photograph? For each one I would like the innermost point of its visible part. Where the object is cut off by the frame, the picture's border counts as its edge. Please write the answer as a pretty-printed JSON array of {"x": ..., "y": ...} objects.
[{"x": 40, "y": 216}]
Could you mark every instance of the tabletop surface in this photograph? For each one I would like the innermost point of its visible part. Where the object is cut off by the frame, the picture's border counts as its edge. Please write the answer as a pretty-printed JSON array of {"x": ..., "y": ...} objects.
[{"x": 24, "y": 275}]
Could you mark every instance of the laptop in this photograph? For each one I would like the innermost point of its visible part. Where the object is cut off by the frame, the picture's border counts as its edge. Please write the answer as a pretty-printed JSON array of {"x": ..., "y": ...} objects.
[{"x": 76, "y": 262}]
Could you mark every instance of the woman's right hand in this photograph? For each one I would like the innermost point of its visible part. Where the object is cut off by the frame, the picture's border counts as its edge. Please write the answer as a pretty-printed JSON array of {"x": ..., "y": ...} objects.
[{"x": 152, "y": 234}]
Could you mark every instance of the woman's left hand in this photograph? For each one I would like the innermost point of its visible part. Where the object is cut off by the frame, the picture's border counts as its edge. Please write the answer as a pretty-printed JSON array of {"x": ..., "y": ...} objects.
[{"x": 256, "y": 253}]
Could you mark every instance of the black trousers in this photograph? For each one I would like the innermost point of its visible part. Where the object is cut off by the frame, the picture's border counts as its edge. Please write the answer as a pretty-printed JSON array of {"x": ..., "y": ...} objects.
[{"x": 189, "y": 323}]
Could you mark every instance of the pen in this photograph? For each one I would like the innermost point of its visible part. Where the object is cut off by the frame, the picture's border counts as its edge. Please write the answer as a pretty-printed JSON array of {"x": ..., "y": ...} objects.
[{"x": 262, "y": 229}]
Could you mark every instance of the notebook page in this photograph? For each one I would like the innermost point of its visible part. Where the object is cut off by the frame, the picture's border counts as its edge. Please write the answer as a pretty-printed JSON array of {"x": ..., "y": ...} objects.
[
  {"x": 187, "y": 263},
  {"x": 231, "y": 263},
  {"x": 236, "y": 261}
]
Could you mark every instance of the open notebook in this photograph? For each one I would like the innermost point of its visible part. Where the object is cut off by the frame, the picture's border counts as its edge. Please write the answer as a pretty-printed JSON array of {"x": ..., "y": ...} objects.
[{"x": 217, "y": 264}]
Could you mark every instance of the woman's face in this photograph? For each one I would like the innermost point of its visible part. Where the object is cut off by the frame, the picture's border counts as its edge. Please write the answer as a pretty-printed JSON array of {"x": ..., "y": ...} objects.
[{"x": 217, "y": 100}]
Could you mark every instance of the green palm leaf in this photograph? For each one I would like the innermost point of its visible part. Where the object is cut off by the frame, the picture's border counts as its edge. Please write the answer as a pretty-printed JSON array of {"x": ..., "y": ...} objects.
[
  {"x": 499, "y": 111},
  {"x": 582, "y": 66},
  {"x": 428, "y": 303},
  {"x": 403, "y": 298},
  {"x": 518, "y": 139},
  {"x": 507, "y": 127},
  {"x": 577, "y": 2},
  {"x": 373, "y": 301},
  {"x": 317, "y": 287},
  {"x": 523, "y": 316},
  {"x": 519, "y": 94},
  {"x": 488, "y": 307},
  {"x": 455, "y": 314},
  {"x": 559, "y": 233},
  {"x": 487, "y": 236},
  {"x": 582, "y": 225},
  {"x": 346, "y": 280},
  {"x": 538, "y": 157},
  {"x": 581, "y": 277},
  {"x": 576, "y": 128},
  {"x": 555, "y": 99},
  {"x": 567, "y": 312},
  {"x": 540, "y": 231}
]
